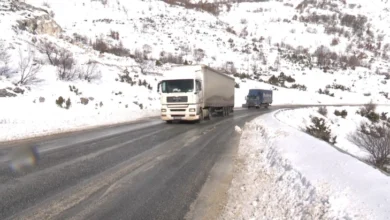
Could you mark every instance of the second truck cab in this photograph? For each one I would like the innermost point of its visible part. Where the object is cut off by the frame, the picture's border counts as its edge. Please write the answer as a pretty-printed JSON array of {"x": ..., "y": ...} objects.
[{"x": 258, "y": 97}]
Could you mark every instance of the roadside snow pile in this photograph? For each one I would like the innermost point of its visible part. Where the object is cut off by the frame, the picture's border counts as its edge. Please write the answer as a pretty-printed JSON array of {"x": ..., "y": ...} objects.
[{"x": 282, "y": 173}]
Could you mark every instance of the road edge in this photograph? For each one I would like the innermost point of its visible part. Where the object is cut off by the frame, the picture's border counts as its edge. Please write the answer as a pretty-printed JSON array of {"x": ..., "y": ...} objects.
[{"x": 213, "y": 196}]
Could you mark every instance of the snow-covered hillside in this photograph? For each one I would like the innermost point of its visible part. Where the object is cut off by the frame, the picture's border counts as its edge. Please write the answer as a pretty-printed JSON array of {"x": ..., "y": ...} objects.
[{"x": 113, "y": 53}]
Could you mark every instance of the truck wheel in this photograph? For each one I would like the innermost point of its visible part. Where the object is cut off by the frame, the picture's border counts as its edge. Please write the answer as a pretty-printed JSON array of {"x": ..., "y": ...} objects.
[
  {"x": 208, "y": 117},
  {"x": 200, "y": 116}
]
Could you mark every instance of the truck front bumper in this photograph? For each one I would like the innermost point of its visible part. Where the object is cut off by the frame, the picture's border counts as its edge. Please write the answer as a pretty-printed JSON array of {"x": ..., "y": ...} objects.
[
  {"x": 189, "y": 113},
  {"x": 179, "y": 118}
]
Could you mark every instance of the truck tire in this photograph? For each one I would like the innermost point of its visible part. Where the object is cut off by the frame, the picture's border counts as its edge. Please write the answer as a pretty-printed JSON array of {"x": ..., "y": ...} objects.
[
  {"x": 208, "y": 117},
  {"x": 201, "y": 117}
]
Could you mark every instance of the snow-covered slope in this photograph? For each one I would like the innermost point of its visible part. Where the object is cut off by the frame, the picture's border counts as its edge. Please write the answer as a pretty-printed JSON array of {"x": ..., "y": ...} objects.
[
  {"x": 252, "y": 41},
  {"x": 341, "y": 127},
  {"x": 283, "y": 173}
]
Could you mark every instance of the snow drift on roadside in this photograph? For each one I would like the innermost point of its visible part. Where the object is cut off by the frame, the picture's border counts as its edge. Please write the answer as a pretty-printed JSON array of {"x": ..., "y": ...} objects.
[{"x": 282, "y": 173}]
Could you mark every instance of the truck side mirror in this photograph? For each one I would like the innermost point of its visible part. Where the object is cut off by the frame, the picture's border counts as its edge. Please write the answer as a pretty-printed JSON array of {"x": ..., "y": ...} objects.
[{"x": 158, "y": 87}]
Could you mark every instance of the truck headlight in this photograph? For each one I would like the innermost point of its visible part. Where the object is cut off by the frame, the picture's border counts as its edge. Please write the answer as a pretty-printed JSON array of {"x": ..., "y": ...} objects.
[
  {"x": 192, "y": 110},
  {"x": 163, "y": 110}
]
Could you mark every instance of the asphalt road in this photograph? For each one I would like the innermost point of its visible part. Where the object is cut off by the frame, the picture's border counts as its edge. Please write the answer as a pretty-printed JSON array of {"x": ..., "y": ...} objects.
[{"x": 143, "y": 170}]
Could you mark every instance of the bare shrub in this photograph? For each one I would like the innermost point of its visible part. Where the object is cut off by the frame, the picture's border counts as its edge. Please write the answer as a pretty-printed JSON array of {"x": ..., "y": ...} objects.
[
  {"x": 374, "y": 139},
  {"x": 212, "y": 8},
  {"x": 335, "y": 41},
  {"x": 100, "y": 45},
  {"x": 370, "y": 107},
  {"x": 90, "y": 72},
  {"x": 4, "y": 59},
  {"x": 60, "y": 101},
  {"x": 323, "y": 111},
  {"x": 68, "y": 103},
  {"x": 28, "y": 69},
  {"x": 368, "y": 111},
  {"x": 50, "y": 49},
  {"x": 322, "y": 54},
  {"x": 331, "y": 29},
  {"x": 114, "y": 35},
  {"x": 119, "y": 50},
  {"x": 4, "y": 56},
  {"x": 66, "y": 66},
  {"x": 299, "y": 87},
  {"x": 80, "y": 38},
  {"x": 144, "y": 66},
  {"x": 231, "y": 30},
  {"x": 46, "y": 4},
  {"x": 357, "y": 23},
  {"x": 5, "y": 70},
  {"x": 138, "y": 55},
  {"x": 343, "y": 113},
  {"x": 199, "y": 54},
  {"x": 353, "y": 61},
  {"x": 171, "y": 58},
  {"x": 320, "y": 130}
]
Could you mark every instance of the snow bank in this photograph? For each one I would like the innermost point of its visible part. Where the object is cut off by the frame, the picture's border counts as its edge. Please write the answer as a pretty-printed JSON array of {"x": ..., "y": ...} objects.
[
  {"x": 32, "y": 120},
  {"x": 282, "y": 173}
]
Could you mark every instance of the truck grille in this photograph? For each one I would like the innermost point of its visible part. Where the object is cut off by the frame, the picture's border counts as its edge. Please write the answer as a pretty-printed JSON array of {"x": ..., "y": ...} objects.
[
  {"x": 177, "y": 99},
  {"x": 177, "y": 110}
]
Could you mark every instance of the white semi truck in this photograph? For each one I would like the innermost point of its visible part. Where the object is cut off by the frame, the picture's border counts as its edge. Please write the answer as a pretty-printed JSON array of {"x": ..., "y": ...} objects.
[{"x": 194, "y": 93}]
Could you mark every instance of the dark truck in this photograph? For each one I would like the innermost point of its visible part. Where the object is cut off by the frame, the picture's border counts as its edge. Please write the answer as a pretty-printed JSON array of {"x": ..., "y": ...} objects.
[{"x": 259, "y": 97}]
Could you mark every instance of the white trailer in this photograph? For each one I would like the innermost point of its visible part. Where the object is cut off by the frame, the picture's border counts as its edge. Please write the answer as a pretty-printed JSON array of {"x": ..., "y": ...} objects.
[{"x": 194, "y": 93}]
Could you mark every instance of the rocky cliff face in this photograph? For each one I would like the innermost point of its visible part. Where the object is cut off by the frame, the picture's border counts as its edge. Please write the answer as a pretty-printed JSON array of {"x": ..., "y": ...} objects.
[{"x": 35, "y": 20}]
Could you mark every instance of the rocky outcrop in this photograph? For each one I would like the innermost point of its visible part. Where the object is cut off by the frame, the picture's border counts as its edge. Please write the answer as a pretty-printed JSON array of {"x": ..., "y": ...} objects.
[
  {"x": 37, "y": 20},
  {"x": 40, "y": 25},
  {"x": 6, "y": 93},
  {"x": 84, "y": 101}
]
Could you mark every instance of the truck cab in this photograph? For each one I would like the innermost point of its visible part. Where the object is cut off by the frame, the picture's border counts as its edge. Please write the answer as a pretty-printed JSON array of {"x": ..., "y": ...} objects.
[
  {"x": 194, "y": 93},
  {"x": 180, "y": 99}
]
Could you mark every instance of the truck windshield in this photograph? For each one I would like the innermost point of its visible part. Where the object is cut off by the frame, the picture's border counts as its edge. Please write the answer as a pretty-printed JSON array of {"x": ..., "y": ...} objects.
[
  {"x": 179, "y": 85},
  {"x": 253, "y": 94}
]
